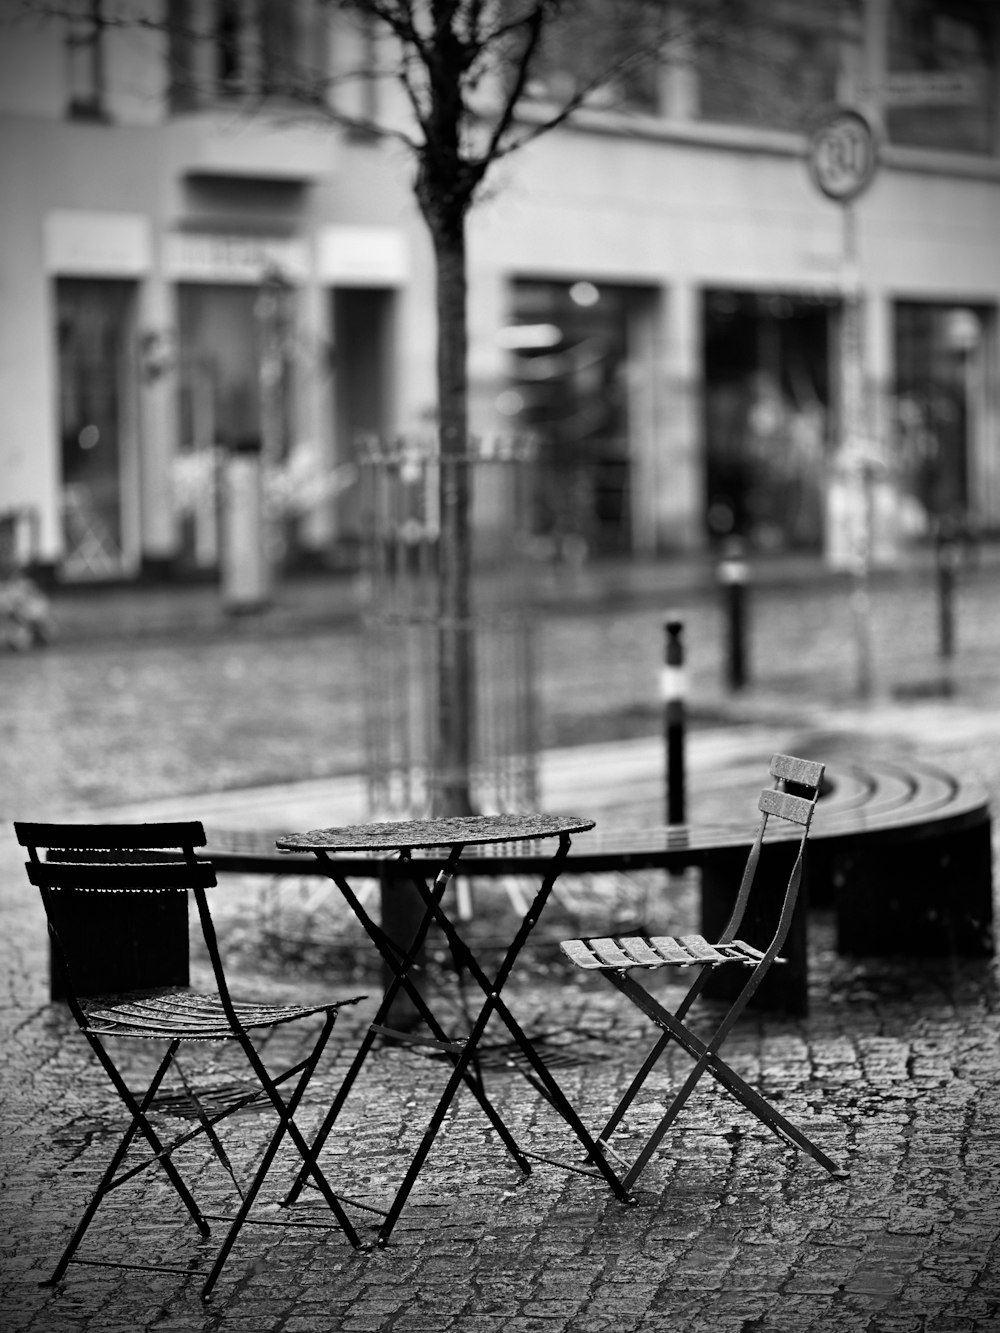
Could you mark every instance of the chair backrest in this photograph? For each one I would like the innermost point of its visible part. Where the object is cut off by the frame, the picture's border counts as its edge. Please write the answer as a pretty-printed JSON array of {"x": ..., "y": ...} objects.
[
  {"x": 115, "y": 899},
  {"x": 792, "y": 799}
]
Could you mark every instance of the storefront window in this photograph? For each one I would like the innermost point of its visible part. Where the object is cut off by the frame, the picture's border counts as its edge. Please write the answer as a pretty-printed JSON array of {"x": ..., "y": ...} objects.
[
  {"x": 568, "y": 391},
  {"x": 939, "y": 408},
  {"x": 94, "y": 321},
  {"x": 85, "y": 35},
  {"x": 941, "y": 86},
  {"x": 766, "y": 416},
  {"x": 232, "y": 48},
  {"x": 772, "y": 64}
]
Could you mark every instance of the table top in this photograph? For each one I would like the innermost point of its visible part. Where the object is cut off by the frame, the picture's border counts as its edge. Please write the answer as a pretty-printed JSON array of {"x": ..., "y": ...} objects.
[{"x": 403, "y": 835}]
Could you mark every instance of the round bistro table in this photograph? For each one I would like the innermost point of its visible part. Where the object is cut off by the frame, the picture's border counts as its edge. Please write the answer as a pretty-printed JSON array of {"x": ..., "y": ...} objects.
[{"x": 445, "y": 840}]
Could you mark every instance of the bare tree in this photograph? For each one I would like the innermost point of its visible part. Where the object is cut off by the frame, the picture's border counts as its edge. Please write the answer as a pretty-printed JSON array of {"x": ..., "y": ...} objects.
[{"x": 467, "y": 68}]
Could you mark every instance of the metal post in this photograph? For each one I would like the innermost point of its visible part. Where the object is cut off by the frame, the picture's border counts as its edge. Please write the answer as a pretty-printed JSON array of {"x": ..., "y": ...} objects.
[
  {"x": 947, "y": 563},
  {"x": 842, "y": 160},
  {"x": 733, "y": 575},
  {"x": 674, "y": 690}
]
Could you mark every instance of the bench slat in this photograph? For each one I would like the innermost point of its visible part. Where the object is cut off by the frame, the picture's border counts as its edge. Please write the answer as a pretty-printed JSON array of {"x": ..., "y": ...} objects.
[{"x": 881, "y": 799}]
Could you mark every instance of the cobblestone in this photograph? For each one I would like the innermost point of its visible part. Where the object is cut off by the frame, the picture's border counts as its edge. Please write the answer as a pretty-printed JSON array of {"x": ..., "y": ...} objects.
[{"x": 897, "y": 1067}]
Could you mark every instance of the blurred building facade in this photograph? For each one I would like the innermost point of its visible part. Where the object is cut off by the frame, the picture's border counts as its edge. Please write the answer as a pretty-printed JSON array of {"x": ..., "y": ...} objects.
[{"x": 195, "y": 272}]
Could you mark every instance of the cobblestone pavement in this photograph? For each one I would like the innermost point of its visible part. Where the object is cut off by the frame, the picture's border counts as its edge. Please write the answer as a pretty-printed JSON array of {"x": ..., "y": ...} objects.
[{"x": 896, "y": 1070}]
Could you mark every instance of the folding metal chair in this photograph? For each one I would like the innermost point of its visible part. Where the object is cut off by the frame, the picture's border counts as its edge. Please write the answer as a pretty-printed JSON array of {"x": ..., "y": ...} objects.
[
  {"x": 793, "y": 800},
  {"x": 89, "y": 861}
]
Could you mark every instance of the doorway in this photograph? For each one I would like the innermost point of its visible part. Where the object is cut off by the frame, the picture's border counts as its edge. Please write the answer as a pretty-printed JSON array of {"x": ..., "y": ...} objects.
[
  {"x": 236, "y": 396},
  {"x": 219, "y": 407},
  {"x": 98, "y": 448},
  {"x": 363, "y": 321}
]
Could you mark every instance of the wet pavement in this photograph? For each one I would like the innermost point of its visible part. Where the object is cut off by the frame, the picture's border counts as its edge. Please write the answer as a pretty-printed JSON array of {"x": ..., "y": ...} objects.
[
  {"x": 896, "y": 1070},
  {"x": 196, "y": 700}
]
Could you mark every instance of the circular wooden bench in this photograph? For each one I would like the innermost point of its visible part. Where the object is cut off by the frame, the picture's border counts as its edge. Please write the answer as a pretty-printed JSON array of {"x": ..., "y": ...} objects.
[
  {"x": 900, "y": 851},
  {"x": 906, "y": 861}
]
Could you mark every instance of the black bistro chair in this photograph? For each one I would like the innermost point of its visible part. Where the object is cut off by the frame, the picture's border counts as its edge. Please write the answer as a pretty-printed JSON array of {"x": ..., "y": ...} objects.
[
  {"x": 792, "y": 801},
  {"x": 88, "y": 861}
]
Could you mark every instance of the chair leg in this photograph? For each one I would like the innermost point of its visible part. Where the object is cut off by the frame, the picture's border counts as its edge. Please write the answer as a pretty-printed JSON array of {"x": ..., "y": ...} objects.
[
  {"x": 652, "y": 1059},
  {"x": 707, "y": 1059},
  {"x": 672, "y": 1112},
  {"x": 286, "y": 1126},
  {"x": 633, "y": 1089},
  {"x": 286, "y": 1111},
  {"x": 710, "y": 1061},
  {"x": 161, "y": 1154},
  {"x": 139, "y": 1124}
]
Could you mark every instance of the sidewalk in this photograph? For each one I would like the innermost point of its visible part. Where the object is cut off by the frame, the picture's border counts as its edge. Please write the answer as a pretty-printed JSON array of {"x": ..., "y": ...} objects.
[
  {"x": 897, "y": 1069},
  {"x": 89, "y": 613}
]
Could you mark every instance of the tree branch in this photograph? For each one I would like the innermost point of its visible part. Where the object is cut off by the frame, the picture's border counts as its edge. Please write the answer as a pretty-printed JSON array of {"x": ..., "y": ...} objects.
[{"x": 533, "y": 23}]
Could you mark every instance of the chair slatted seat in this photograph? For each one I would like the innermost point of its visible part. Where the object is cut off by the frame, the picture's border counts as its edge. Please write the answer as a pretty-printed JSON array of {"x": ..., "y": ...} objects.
[
  {"x": 657, "y": 951},
  {"x": 174, "y": 1012},
  {"x": 87, "y": 861},
  {"x": 792, "y": 799}
]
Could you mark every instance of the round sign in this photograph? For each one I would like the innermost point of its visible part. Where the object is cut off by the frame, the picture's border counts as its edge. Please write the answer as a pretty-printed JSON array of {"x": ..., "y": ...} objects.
[{"x": 842, "y": 155}]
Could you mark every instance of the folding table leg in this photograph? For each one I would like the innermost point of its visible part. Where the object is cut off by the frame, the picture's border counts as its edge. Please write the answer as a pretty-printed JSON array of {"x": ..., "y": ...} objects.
[
  {"x": 473, "y": 1083},
  {"x": 433, "y": 1126},
  {"x": 464, "y": 956},
  {"x": 561, "y": 1103},
  {"x": 495, "y": 1004},
  {"x": 400, "y": 965},
  {"x": 555, "y": 1095}
]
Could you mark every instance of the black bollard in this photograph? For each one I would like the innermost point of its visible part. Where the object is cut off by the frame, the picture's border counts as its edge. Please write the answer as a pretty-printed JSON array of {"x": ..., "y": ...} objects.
[
  {"x": 733, "y": 574},
  {"x": 673, "y": 691}
]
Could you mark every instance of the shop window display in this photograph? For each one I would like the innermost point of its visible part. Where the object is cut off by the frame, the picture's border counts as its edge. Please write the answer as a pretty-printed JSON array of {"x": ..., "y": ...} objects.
[{"x": 767, "y": 419}]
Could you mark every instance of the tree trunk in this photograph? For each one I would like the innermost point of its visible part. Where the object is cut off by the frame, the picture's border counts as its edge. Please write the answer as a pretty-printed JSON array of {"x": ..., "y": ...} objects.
[{"x": 456, "y": 695}]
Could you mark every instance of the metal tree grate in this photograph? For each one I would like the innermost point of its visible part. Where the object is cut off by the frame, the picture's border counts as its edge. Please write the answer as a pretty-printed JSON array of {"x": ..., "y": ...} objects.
[{"x": 400, "y": 489}]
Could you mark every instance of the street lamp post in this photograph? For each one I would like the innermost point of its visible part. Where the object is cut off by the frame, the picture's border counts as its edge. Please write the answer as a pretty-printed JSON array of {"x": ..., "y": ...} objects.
[{"x": 842, "y": 159}]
